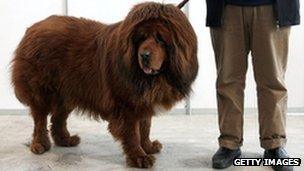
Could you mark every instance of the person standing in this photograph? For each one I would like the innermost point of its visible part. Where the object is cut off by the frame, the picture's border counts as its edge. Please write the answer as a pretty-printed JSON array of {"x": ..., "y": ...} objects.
[{"x": 261, "y": 27}]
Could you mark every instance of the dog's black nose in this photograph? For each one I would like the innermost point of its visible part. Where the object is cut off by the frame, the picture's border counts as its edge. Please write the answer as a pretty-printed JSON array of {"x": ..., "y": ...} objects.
[{"x": 145, "y": 56}]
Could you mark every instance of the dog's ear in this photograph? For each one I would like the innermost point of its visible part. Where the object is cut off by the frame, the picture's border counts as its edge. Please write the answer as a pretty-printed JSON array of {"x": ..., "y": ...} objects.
[
  {"x": 183, "y": 64},
  {"x": 182, "y": 67}
]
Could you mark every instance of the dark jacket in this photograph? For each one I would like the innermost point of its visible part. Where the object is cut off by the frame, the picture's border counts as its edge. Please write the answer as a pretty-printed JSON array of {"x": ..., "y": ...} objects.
[{"x": 288, "y": 12}]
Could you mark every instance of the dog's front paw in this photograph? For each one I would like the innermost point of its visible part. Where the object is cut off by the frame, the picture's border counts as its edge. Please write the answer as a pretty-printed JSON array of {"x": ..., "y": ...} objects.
[
  {"x": 152, "y": 147},
  {"x": 146, "y": 161},
  {"x": 69, "y": 141}
]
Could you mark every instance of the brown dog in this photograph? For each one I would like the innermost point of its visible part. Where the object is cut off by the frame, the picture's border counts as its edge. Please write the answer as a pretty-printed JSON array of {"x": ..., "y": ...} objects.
[{"x": 119, "y": 73}]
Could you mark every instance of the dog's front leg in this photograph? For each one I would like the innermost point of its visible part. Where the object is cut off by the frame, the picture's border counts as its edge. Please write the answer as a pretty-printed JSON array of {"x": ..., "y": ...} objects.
[
  {"x": 127, "y": 131},
  {"x": 150, "y": 147}
]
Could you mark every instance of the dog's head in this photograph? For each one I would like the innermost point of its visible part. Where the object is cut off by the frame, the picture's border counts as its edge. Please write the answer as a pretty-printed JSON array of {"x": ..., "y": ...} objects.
[
  {"x": 151, "y": 40},
  {"x": 158, "y": 40}
]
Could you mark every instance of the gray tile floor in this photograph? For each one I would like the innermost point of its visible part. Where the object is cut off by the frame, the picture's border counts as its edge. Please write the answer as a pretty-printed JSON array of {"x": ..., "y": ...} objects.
[{"x": 189, "y": 143}]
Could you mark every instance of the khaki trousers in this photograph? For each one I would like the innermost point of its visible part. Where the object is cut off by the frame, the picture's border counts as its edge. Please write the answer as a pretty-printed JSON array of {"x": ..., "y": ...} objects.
[{"x": 244, "y": 30}]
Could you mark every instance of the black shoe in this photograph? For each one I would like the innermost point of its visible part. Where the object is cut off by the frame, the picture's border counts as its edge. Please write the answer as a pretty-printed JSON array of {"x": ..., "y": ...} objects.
[
  {"x": 223, "y": 158},
  {"x": 276, "y": 154}
]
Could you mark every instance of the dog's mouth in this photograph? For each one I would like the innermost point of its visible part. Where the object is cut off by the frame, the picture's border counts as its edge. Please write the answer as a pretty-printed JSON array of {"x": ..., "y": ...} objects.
[{"x": 150, "y": 71}]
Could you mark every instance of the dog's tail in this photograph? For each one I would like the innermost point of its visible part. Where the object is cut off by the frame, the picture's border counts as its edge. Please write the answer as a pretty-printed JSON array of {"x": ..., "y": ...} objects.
[{"x": 182, "y": 4}]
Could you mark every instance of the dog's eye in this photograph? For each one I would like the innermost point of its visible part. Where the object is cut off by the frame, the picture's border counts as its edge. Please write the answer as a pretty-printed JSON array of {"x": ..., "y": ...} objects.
[
  {"x": 144, "y": 36},
  {"x": 139, "y": 38},
  {"x": 159, "y": 39}
]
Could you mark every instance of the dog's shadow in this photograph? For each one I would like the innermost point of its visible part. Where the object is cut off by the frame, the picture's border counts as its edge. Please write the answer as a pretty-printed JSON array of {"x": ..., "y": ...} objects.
[
  {"x": 94, "y": 150},
  {"x": 97, "y": 151}
]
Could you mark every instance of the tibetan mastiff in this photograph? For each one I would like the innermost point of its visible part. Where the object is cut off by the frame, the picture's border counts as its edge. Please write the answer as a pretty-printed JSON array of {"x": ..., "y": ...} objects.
[{"x": 120, "y": 73}]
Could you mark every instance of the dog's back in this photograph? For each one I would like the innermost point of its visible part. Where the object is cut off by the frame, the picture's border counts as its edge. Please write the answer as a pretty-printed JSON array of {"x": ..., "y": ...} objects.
[{"x": 55, "y": 55}]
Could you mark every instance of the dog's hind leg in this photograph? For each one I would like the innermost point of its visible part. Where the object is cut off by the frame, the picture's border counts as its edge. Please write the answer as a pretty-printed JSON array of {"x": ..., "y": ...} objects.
[
  {"x": 127, "y": 132},
  {"x": 41, "y": 141},
  {"x": 59, "y": 131},
  {"x": 148, "y": 146}
]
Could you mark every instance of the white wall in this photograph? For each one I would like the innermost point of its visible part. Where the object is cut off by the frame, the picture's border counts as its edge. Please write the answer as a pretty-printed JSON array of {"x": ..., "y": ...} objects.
[
  {"x": 295, "y": 71},
  {"x": 17, "y": 15}
]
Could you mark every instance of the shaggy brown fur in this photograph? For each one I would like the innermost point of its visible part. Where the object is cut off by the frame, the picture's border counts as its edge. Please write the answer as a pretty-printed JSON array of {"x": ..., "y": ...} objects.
[{"x": 119, "y": 73}]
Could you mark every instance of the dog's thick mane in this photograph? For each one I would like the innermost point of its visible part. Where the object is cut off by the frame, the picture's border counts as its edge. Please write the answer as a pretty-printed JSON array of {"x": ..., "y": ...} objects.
[{"x": 180, "y": 69}]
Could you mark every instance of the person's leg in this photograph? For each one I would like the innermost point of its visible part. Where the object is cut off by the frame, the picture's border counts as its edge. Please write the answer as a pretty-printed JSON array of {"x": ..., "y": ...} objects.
[
  {"x": 231, "y": 46},
  {"x": 270, "y": 51}
]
